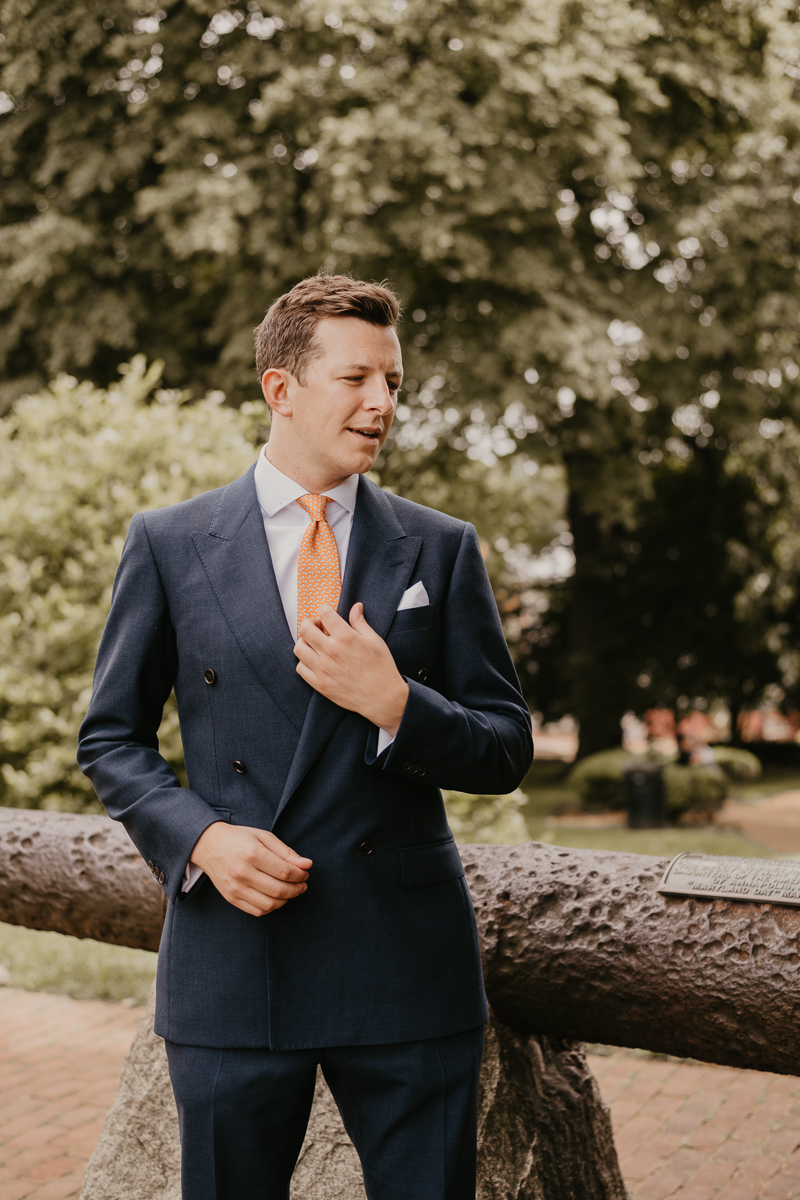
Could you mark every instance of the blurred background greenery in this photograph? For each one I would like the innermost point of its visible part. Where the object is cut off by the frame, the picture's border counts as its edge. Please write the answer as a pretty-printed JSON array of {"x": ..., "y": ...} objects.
[{"x": 591, "y": 211}]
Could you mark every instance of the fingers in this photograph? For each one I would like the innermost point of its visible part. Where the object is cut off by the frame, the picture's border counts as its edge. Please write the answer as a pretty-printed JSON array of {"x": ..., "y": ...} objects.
[
  {"x": 331, "y": 619},
  {"x": 253, "y": 902},
  {"x": 274, "y": 866},
  {"x": 255, "y": 891},
  {"x": 276, "y": 846},
  {"x": 251, "y": 868},
  {"x": 327, "y": 622},
  {"x": 357, "y": 619}
]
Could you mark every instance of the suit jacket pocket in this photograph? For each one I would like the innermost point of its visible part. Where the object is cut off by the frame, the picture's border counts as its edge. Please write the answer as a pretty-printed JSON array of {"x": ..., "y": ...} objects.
[
  {"x": 430, "y": 864},
  {"x": 412, "y": 618}
]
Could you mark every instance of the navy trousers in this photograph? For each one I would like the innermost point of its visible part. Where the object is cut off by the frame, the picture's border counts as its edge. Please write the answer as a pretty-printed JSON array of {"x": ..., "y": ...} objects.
[{"x": 410, "y": 1110}]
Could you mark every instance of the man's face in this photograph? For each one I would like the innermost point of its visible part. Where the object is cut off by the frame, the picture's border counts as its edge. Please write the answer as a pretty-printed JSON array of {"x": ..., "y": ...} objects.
[{"x": 338, "y": 418}]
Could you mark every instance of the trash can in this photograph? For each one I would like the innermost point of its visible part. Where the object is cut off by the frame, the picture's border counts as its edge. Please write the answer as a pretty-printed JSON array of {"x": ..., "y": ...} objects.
[{"x": 646, "y": 801}]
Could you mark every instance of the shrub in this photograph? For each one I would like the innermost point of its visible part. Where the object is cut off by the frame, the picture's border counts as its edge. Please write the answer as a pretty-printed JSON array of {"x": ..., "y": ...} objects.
[
  {"x": 600, "y": 782},
  {"x": 693, "y": 790},
  {"x": 599, "y": 779},
  {"x": 75, "y": 463},
  {"x": 737, "y": 764},
  {"x": 495, "y": 819}
]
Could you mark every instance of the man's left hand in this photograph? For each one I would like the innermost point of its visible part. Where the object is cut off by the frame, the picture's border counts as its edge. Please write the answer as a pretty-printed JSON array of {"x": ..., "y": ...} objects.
[{"x": 352, "y": 666}]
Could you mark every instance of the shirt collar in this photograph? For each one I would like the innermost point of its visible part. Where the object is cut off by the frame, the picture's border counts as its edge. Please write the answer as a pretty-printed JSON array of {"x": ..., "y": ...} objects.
[{"x": 276, "y": 490}]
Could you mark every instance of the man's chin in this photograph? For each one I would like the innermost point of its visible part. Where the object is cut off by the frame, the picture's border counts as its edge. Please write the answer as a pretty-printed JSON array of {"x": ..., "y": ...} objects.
[{"x": 358, "y": 463}]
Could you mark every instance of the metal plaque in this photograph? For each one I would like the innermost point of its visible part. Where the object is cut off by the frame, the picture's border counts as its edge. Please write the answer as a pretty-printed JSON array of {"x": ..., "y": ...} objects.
[{"x": 773, "y": 881}]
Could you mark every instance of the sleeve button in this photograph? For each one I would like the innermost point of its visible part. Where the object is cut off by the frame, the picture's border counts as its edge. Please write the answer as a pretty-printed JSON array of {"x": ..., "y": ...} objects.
[
  {"x": 150, "y": 864},
  {"x": 210, "y": 675},
  {"x": 161, "y": 877},
  {"x": 422, "y": 674},
  {"x": 239, "y": 767}
]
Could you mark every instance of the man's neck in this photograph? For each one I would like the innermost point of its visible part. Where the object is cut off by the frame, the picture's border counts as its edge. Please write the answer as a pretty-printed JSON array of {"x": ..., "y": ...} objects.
[{"x": 315, "y": 482}]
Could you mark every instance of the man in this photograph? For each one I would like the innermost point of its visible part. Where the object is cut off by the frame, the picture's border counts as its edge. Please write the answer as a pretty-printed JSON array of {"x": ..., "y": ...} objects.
[{"x": 337, "y": 658}]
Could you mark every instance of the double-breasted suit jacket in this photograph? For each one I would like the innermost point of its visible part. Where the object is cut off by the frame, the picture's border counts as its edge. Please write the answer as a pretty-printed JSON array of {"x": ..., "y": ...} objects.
[{"x": 383, "y": 945}]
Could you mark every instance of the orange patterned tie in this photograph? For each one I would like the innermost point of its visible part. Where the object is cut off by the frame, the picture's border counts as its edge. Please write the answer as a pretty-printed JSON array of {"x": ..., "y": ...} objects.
[{"x": 318, "y": 576}]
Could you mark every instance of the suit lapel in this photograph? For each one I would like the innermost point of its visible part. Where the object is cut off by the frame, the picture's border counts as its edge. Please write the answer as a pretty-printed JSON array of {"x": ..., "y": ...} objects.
[
  {"x": 235, "y": 554},
  {"x": 380, "y": 559}
]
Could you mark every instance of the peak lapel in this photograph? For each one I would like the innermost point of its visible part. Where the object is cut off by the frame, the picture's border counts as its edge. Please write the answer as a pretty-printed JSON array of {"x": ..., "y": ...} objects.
[
  {"x": 380, "y": 559},
  {"x": 235, "y": 554}
]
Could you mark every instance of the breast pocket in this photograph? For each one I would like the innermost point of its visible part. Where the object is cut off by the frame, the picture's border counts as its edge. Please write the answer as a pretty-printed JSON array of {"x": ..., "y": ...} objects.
[{"x": 410, "y": 640}]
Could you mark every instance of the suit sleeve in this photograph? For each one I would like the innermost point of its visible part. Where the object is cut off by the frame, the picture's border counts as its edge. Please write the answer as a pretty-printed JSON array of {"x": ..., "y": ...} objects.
[
  {"x": 118, "y": 741},
  {"x": 475, "y": 734}
]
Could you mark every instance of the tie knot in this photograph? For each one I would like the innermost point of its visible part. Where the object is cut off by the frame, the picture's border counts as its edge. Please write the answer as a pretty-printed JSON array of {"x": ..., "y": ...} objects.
[{"x": 314, "y": 505}]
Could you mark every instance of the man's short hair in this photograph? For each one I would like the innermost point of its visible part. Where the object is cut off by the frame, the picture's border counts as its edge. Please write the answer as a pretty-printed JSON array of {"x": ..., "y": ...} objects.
[{"x": 286, "y": 336}]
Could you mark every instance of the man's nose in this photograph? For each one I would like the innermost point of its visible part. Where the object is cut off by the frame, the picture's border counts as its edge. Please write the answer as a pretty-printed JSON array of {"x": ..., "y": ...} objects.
[{"x": 380, "y": 399}]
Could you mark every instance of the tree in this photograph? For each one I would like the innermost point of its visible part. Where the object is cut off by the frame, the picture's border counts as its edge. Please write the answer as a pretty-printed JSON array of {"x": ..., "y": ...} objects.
[{"x": 565, "y": 193}]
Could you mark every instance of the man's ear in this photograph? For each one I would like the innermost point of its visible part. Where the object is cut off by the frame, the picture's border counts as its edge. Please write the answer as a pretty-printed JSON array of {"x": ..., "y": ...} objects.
[{"x": 275, "y": 386}]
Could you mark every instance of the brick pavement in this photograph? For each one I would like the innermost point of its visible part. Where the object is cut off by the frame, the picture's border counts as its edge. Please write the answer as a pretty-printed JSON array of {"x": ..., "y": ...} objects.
[
  {"x": 682, "y": 1129},
  {"x": 699, "y": 1132},
  {"x": 59, "y": 1067}
]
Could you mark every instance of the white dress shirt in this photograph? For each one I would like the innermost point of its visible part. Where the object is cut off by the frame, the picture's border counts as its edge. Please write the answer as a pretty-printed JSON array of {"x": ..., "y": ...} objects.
[{"x": 285, "y": 522}]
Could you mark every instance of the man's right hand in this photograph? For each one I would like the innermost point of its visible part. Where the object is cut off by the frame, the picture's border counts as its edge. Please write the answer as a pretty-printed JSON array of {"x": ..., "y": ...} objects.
[{"x": 250, "y": 868}]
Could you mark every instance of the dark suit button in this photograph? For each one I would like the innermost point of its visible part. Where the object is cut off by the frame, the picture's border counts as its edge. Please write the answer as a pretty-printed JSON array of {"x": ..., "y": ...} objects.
[
  {"x": 365, "y": 848},
  {"x": 422, "y": 674},
  {"x": 407, "y": 766},
  {"x": 239, "y": 767},
  {"x": 150, "y": 864},
  {"x": 420, "y": 771},
  {"x": 161, "y": 877},
  {"x": 210, "y": 675}
]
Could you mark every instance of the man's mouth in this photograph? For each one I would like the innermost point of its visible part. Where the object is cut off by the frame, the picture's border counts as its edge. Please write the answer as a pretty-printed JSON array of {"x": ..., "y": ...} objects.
[{"x": 369, "y": 435}]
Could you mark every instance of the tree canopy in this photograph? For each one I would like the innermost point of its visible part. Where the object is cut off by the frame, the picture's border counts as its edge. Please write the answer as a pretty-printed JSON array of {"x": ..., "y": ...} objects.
[{"x": 588, "y": 208}]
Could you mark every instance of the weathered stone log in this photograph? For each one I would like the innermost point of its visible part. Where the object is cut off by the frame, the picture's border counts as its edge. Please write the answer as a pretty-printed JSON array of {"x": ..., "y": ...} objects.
[
  {"x": 543, "y": 1131},
  {"x": 579, "y": 944},
  {"x": 77, "y": 874}
]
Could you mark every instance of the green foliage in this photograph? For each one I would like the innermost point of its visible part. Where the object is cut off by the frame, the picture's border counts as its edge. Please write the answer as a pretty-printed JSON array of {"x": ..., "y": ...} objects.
[
  {"x": 600, "y": 781},
  {"x": 75, "y": 463},
  {"x": 589, "y": 211},
  {"x": 487, "y": 818},
  {"x": 737, "y": 764},
  {"x": 52, "y": 962},
  {"x": 695, "y": 791}
]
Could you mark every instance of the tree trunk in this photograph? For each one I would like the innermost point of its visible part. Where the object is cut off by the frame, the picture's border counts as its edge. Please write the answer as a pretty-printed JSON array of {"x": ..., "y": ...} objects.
[
  {"x": 598, "y": 701},
  {"x": 543, "y": 1130}
]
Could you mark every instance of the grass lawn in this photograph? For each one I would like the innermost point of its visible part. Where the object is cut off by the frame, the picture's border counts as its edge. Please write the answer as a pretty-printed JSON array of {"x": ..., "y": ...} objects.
[
  {"x": 53, "y": 962},
  {"x": 546, "y": 790}
]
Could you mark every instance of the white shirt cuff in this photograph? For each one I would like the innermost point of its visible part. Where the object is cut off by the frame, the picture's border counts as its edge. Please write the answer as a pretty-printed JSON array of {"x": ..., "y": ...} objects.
[
  {"x": 192, "y": 874},
  {"x": 384, "y": 740}
]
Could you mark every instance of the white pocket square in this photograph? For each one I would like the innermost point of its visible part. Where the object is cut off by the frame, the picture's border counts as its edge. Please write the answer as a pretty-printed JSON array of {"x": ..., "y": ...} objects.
[{"x": 414, "y": 597}]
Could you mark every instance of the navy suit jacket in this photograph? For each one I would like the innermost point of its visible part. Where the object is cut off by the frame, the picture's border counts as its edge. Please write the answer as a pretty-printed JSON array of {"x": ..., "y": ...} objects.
[{"x": 383, "y": 946}]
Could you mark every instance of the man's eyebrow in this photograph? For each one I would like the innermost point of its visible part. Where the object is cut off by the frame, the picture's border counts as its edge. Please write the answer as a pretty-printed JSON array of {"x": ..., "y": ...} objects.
[{"x": 369, "y": 367}]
